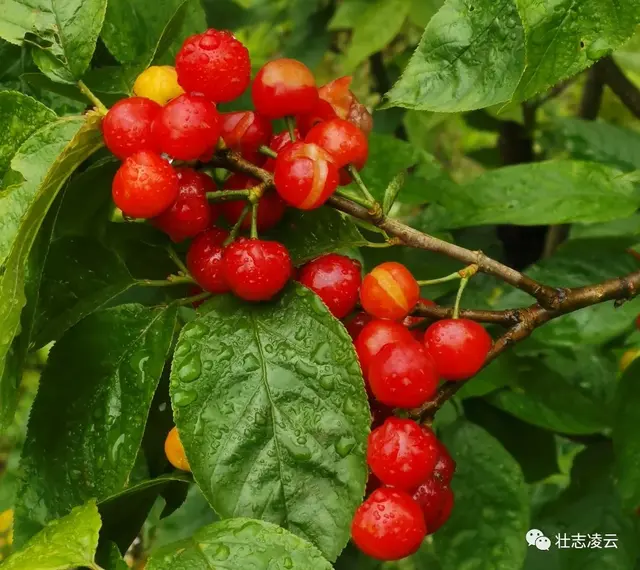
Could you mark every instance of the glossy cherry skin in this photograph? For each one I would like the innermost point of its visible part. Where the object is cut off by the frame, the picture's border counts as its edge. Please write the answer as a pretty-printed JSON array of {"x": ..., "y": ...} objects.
[
  {"x": 389, "y": 291},
  {"x": 345, "y": 142},
  {"x": 256, "y": 270},
  {"x": 284, "y": 87},
  {"x": 145, "y": 185},
  {"x": 175, "y": 452},
  {"x": 278, "y": 142},
  {"x": 445, "y": 467},
  {"x": 346, "y": 104},
  {"x": 215, "y": 64},
  {"x": 389, "y": 525},
  {"x": 191, "y": 213},
  {"x": 336, "y": 280},
  {"x": 158, "y": 83},
  {"x": 375, "y": 336},
  {"x": 356, "y": 323},
  {"x": 245, "y": 132},
  {"x": 322, "y": 111},
  {"x": 305, "y": 176},
  {"x": 435, "y": 499},
  {"x": 127, "y": 127},
  {"x": 204, "y": 260},
  {"x": 402, "y": 375},
  {"x": 458, "y": 347},
  {"x": 187, "y": 127},
  {"x": 271, "y": 208}
]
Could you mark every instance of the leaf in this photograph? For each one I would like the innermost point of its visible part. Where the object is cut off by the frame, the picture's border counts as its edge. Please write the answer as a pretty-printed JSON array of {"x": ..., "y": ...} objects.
[
  {"x": 347, "y": 14},
  {"x": 597, "y": 141},
  {"x": 43, "y": 162},
  {"x": 375, "y": 28},
  {"x": 308, "y": 235},
  {"x": 68, "y": 542},
  {"x": 239, "y": 543},
  {"x": 470, "y": 56},
  {"x": 270, "y": 405},
  {"x": 488, "y": 483},
  {"x": 20, "y": 117},
  {"x": 391, "y": 193},
  {"x": 552, "y": 192},
  {"x": 563, "y": 37},
  {"x": 626, "y": 440},
  {"x": 99, "y": 383}
]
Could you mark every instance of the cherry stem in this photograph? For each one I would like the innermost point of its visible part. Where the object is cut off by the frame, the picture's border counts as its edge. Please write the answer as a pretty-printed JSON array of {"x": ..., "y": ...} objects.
[
  {"x": 168, "y": 282},
  {"x": 224, "y": 195},
  {"x": 236, "y": 227},
  {"x": 254, "y": 220},
  {"x": 264, "y": 149},
  {"x": 456, "y": 307},
  {"x": 291, "y": 127},
  {"x": 361, "y": 185},
  {"x": 99, "y": 105},
  {"x": 176, "y": 259},
  {"x": 190, "y": 300},
  {"x": 444, "y": 279},
  {"x": 353, "y": 198}
]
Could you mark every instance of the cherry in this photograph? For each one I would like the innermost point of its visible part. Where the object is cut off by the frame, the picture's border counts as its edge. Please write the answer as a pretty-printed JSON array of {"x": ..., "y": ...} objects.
[
  {"x": 402, "y": 453},
  {"x": 376, "y": 335},
  {"x": 127, "y": 127},
  {"x": 345, "y": 142},
  {"x": 389, "y": 525},
  {"x": 191, "y": 213},
  {"x": 458, "y": 347},
  {"x": 284, "y": 87},
  {"x": 389, "y": 291},
  {"x": 271, "y": 208},
  {"x": 356, "y": 323},
  {"x": 174, "y": 451},
  {"x": 435, "y": 499},
  {"x": 278, "y": 142},
  {"x": 256, "y": 270},
  {"x": 336, "y": 280},
  {"x": 346, "y": 104},
  {"x": 322, "y": 111},
  {"x": 145, "y": 185},
  {"x": 245, "y": 132},
  {"x": 305, "y": 175},
  {"x": 411, "y": 322},
  {"x": 158, "y": 83},
  {"x": 187, "y": 127},
  {"x": 204, "y": 260},
  {"x": 402, "y": 375},
  {"x": 215, "y": 64},
  {"x": 445, "y": 467}
]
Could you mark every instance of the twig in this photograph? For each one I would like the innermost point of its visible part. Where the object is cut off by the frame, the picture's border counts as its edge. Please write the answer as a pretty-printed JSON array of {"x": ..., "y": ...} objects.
[
  {"x": 625, "y": 90},
  {"x": 99, "y": 105}
]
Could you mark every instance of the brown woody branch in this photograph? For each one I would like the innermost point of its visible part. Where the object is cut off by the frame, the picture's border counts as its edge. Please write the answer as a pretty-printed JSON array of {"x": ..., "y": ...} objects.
[{"x": 610, "y": 74}]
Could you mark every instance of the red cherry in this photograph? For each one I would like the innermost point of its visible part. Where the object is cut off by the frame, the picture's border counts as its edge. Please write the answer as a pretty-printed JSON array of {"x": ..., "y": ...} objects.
[
  {"x": 402, "y": 453},
  {"x": 389, "y": 525},
  {"x": 322, "y": 111},
  {"x": 191, "y": 213},
  {"x": 305, "y": 175},
  {"x": 411, "y": 322},
  {"x": 335, "y": 279},
  {"x": 356, "y": 323},
  {"x": 145, "y": 185},
  {"x": 127, "y": 126},
  {"x": 345, "y": 142},
  {"x": 284, "y": 87},
  {"x": 215, "y": 64},
  {"x": 279, "y": 142},
  {"x": 245, "y": 132},
  {"x": 389, "y": 291},
  {"x": 346, "y": 104},
  {"x": 376, "y": 335},
  {"x": 445, "y": 467},
  {"x": 402, "y": 375},
  {"x": 256, "y": 270},
  {"x": 458, "y": 347},
  {"x": 436, "y": 502},
  {"x": 271, "y": 208},
  {"x": 187, "y": 127},
  {"x": 204, "y": 260}
]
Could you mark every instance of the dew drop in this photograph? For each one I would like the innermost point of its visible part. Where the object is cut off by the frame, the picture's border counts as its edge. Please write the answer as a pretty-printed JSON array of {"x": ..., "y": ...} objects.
[
  {"x": 350, "y": 407},
  {"x": 305, "y": 368},
  {"x": 184, "y": 398},
  {"x": 251, "y": 363},
  {"x": 344, "y": 445},
  {"x": 183, "y": 349},
  {"x": 207, "y": 364},
  {"x": 301, "y": 333},
  {"x": 115, "y": 449},
  {"x": 322, "y": 353},
  {"x": 327, "y": 382},
  {"x": 221, "y": 553},
  {"x": 195, "y": 330},
  {"x": 287, "y": 563},
  {"x": 190, "y": 368}
]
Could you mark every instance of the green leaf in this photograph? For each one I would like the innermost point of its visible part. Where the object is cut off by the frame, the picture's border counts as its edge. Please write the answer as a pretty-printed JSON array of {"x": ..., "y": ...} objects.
[
  {"x": 489, "y": 484},
  {"x": 391, "y": 193},
  {"x": 377, "y": 25},
  {"x": 552, "y": 192},
  {"x": 271, "y": 408},
  {"x": 20, "y": 117},
  {"x": 100, "y": 379},
  {"x": 563, "y": 37},
  {"x": 65, "y": 543},
  {"x": 471, "y": 56},
  {"x": 43, "y": 164},
  {"x": 239, "y": 543},
  {"x": 308, "y": 235},
  {"x": 626, "y": 440},
  {"x": 347, "y": 14}
]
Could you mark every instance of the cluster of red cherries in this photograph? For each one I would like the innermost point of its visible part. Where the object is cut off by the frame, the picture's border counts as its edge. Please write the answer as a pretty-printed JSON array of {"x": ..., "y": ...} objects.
[
  {"x": 172, "y": 127},
  {"x": 330, "y": 134}
]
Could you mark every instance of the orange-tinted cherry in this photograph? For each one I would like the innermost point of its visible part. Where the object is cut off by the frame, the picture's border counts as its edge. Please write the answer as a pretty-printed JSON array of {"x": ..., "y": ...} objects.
[{"x": 389, "y": 291}]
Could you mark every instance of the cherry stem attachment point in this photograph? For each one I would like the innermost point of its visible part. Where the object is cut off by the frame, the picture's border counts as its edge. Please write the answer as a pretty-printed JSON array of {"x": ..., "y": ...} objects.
[
  {"x": 99, "y": 105},
  {"x": 179, "y": 263},
  {"x": 236, "y": 227},
  {"x": 467, "y": 272},
  {"x": 291, "y": 126},
  {"x": 254, "y": 220},
  {"x": 264, "y": 149},
  {"x": 224, "y": 195},
  {"x": 357, "y": 199},
  {"x": 456, "y": 307},
  {"x": 361, "y": 185},
  {"x": 168, "y": 282}
]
